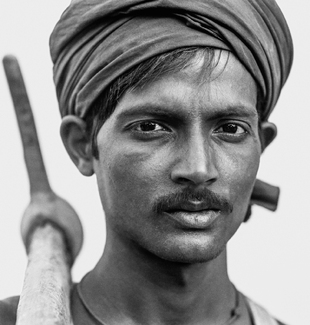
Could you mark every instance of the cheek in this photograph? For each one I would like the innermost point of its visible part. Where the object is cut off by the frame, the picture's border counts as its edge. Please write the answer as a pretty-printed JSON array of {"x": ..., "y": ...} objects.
[
  {"x": 238, "y": 178},
  {"x": 130, "y": 177},
  {"x": 239, "y": 170}
]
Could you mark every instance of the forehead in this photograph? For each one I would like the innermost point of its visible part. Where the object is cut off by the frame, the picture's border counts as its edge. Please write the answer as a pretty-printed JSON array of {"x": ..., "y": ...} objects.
[{"x": 225, "y": 85}]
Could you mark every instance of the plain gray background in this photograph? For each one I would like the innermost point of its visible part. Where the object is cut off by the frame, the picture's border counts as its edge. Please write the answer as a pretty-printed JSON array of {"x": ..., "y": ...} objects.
[{"x": 268, "y": 257}]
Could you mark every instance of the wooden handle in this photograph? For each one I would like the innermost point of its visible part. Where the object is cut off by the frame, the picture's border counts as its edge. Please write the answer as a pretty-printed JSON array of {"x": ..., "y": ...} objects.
[
  {"x": 50, "y": 228},
  {"x": 32, "y": 153},
  {"x": 45, "y": 297}
]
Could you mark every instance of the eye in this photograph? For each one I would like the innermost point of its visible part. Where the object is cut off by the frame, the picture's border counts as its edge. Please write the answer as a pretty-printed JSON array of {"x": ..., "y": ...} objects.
[
  {"x": 232, "y": 129},
  {"x": 149, "y": 126}
]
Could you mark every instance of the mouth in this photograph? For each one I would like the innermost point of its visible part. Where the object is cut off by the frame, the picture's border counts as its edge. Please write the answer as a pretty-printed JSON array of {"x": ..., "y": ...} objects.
[{"x": 194, "y": 218}]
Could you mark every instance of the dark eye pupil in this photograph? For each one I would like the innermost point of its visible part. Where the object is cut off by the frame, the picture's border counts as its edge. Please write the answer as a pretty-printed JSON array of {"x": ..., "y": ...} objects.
[
  {"x": 230, "y": 128},
  {"x": 147, "y": 126}
]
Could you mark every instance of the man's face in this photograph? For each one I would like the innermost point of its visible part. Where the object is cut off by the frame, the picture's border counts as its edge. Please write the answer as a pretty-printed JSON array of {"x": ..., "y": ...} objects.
[{"x": 178, "y": 161}]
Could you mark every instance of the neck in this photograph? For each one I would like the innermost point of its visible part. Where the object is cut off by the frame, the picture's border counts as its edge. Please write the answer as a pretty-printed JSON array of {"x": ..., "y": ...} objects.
[{"x": 132, "y": 286}]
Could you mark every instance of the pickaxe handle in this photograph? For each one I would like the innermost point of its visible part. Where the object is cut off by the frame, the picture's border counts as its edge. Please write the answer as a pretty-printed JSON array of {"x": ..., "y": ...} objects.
[
  {"x": 45, "y": 297},
  {"x": 51, "y": 229}
]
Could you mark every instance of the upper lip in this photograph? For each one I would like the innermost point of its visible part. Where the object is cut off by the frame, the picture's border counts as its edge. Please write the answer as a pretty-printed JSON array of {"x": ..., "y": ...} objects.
[{"x": 192, "y": 207}]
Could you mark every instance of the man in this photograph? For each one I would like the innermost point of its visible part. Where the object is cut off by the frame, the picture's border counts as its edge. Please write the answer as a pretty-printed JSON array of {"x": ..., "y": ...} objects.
[{"x": 167, "y": 102}]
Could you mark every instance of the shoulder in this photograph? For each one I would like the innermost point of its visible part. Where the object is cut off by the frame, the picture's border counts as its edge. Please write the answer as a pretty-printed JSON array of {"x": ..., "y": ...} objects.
[
  {"x": 8, "y": 309},
  {"x": 260, "y": 315}
]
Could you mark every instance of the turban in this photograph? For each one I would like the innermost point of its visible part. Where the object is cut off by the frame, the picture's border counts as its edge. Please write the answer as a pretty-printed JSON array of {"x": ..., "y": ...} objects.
[{"x": 96, "y": 41}]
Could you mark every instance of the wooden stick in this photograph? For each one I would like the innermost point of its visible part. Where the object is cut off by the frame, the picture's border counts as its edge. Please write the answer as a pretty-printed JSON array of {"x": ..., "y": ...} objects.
[
  {"x": 32, "y": 153},
  {"x": 46, "y": 290},
  {"x": 50, "y": 228}
]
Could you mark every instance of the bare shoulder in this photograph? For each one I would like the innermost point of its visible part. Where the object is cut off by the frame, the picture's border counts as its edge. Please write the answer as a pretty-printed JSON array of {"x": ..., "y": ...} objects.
[{"x": 8, "y": 309}]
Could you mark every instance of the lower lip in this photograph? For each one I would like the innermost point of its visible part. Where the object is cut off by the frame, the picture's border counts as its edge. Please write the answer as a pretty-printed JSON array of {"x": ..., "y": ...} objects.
[{"x": 196, "y": 219}]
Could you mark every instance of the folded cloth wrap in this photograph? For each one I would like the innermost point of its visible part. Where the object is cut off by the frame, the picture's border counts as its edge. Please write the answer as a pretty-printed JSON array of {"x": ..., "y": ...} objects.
[{"x": 96, "y": 41}]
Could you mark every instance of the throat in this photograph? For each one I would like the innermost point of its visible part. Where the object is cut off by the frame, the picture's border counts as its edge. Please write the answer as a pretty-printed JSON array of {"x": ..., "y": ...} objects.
[{"x": 159, "y": 292}]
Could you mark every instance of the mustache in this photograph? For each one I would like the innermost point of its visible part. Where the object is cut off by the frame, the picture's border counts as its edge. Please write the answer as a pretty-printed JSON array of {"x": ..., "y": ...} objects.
[{"x": 204, "y": 196}]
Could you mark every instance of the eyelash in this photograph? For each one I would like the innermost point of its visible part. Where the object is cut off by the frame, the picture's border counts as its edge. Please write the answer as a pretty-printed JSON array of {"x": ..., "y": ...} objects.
[
  {"x": 137, "y": 125},
  {"x": 162, "y": 127},
  {"x": 234, "y": 125},
  {"x": 219, "y": 132}
]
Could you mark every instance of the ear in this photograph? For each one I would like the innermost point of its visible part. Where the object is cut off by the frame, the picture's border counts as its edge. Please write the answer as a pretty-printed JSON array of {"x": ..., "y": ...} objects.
[
  {"x": 77, "y": 143},
  {"x": 268, "y": 132}
]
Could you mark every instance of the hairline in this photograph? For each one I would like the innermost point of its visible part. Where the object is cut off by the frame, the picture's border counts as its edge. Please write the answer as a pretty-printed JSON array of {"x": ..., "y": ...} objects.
[{"x": 144, "y": 74}]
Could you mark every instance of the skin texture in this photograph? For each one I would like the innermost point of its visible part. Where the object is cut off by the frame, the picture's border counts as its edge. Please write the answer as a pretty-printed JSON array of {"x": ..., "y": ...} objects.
[
  {"x": 190, "y": 137},
  {"x": 187, "y": 148}
]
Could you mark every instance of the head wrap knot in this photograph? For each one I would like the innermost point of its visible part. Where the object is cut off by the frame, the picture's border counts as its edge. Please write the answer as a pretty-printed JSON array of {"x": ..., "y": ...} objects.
[{"x": 96, "y": 41}]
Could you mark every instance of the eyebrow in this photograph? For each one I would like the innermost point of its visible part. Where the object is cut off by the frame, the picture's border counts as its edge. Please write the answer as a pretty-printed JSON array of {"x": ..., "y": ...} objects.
[
  {"x": 154, "y": 109},
  {"x": 236, "y": 111}
]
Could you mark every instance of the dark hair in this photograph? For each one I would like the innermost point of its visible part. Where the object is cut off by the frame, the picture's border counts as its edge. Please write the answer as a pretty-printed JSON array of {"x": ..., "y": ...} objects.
[{"x": 139, "y": 77}]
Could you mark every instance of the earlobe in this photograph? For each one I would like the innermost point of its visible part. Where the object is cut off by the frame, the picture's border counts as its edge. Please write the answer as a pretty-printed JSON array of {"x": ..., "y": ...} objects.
[
  {"x": 268, "y": 132},
  {"x": 77, "y": 143}
]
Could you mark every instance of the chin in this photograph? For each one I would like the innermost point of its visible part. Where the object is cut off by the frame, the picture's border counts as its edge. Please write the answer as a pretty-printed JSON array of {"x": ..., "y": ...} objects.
[{"x": 189, "y": 252}]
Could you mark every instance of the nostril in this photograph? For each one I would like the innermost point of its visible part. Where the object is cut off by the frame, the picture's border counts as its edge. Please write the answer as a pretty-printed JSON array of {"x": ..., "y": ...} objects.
[{"x": 183, "y": 180}]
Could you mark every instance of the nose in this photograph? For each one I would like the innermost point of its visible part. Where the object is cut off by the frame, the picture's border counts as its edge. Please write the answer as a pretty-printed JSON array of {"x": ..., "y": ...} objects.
[{"x": 195, "y": 163}]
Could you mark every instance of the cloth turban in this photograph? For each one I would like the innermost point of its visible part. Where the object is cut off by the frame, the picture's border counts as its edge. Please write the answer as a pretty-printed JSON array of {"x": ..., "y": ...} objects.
[{"x": 96, "y": 41}]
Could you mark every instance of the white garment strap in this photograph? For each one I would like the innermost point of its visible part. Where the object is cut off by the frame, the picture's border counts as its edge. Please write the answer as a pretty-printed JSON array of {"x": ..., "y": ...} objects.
[{"x": 260, "y": 315}]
